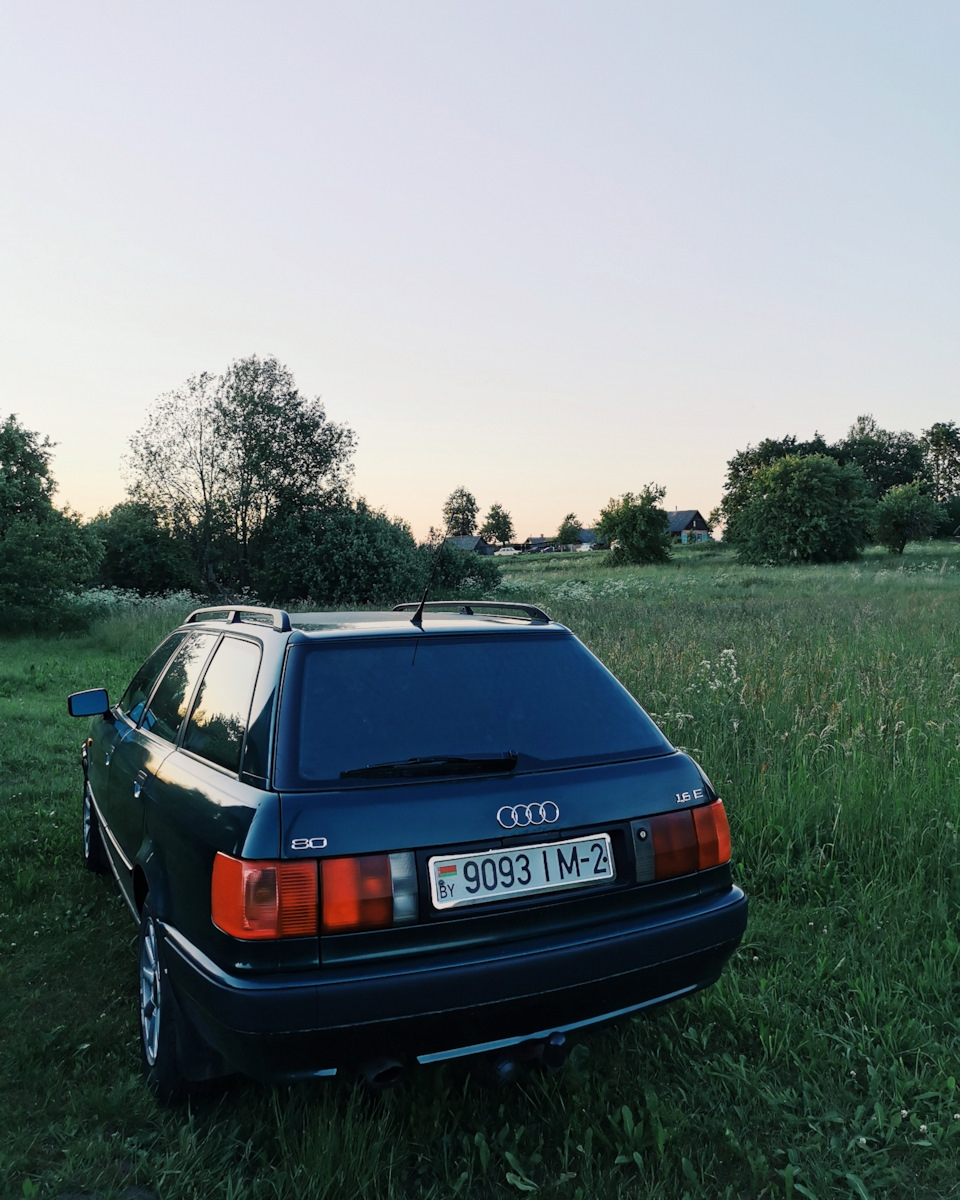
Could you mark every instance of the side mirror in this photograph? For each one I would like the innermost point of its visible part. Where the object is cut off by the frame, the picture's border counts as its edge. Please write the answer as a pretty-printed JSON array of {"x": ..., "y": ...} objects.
[{"x": 93, "y": 703}]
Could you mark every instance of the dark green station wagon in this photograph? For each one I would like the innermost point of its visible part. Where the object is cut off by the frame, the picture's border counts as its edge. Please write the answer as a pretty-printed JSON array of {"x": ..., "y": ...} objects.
[{"x": 366, "y": 840}]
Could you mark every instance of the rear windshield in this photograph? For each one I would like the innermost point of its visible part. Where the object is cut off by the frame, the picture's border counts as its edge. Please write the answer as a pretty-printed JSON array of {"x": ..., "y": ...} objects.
[{"x": 360, "y": 702}]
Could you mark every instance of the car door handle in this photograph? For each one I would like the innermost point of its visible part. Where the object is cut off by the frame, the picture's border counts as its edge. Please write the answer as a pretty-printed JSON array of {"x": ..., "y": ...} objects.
[{"x": 138, "y": 784}]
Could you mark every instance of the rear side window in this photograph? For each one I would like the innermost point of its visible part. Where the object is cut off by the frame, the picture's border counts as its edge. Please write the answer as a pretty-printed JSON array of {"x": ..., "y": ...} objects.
[
  {"x": 358, "y": 702},
  {"x": 135, "y": 697},
  {"x": 219, "y": 719},
  {"x": 168, "y": 705}
]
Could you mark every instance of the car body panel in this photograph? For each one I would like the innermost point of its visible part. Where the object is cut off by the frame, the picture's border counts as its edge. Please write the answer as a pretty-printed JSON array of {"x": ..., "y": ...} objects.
[{"x": 445, "y": 812}]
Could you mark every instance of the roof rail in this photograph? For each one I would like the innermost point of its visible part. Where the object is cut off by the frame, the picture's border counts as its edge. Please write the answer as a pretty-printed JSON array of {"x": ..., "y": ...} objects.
[
  {"x": 235, "y": 613},
  {"x": 467, "y": 608}
]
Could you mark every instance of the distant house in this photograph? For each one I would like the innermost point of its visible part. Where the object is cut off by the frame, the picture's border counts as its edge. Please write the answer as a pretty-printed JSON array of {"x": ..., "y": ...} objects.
[
  {"x": 586, "y": 539},
  {"x": 474, "y": 545},
  {"x": 687, "y": 525},
  {"x": 539, "y": 545}
]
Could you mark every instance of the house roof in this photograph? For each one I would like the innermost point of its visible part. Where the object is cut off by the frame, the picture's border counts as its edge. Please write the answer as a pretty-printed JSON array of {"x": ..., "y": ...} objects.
[
  {"x": 586, "y": 536},
  {"x": 466, "y": 543},
  {"x": 683, "y": 519}
]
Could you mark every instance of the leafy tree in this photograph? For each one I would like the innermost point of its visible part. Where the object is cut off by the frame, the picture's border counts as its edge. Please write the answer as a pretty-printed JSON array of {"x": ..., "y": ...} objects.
[
  {"x": 886, "y": 459},
  {"x": 281, "y": 452},
  {"x": 941, "y": 446},
  {"x": 177, "y": 465},
  {"x": 497, "y": 526},
  {"x": 26, "y": 485},
  {"x": 223, "y": 455},
  {"x": 460, "y": 513},
  {"x": 802, "y": 509},
  {"x": 140, "y": 551},
  {"x": 569, "y": 531},
  {"x": 745, "y": 463},
  {"x": 906, "y": 513},
  {"x": 42, "y": 560},
  {"x": 352, "y": 554},
  {"x": 639, "y": 526},
  {"x": 950, "y": 518},
  {"x": 44, "y": 553}
]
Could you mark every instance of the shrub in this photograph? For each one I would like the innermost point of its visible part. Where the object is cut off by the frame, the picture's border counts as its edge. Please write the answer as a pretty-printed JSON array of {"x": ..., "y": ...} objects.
[{"x": 801, "y": 509}]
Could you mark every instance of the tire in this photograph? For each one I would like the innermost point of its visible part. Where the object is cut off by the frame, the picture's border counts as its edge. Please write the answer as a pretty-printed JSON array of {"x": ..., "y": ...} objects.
[
  {"x": 160, "y": 1018},
  {"x": 91, "y": 844}
]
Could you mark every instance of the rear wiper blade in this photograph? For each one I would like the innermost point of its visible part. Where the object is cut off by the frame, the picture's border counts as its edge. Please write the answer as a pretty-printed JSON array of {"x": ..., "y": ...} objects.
[{"x": 439, "y": 764}]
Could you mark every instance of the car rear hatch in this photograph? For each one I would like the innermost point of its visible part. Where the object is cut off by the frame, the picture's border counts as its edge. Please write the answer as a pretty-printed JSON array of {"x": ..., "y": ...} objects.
[{"x": 474, "y": 788}]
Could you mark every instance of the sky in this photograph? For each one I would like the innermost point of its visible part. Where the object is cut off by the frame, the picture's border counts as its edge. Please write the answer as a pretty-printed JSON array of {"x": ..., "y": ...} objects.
[{"x": 548, "y": 251}]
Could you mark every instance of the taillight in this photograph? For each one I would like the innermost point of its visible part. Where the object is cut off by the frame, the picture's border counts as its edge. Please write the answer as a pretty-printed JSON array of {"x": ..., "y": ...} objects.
[
  {"x": 682, "y": 842},
  {"x": 254, "y": 899},
  {"x": 713, "y": 834},
  {"x": 674, "y": 845},
  {"x": 370, "y": 891}
]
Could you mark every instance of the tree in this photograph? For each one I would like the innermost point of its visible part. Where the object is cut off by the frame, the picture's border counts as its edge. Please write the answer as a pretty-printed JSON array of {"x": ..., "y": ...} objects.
[
  {"x": 497, "y": 526},
  {"x": 140, "y": 551},
  {"x": 223, "y": 455},
  {"x": 638, "y": 525},
  {"x": 886, "y": 459},
  {"x": 44, "y": 553},
  {"x": 460, "y": 513},
  {"x": 906, "y": 513},
  {"x": 281, "y": 452},
  {"x": 941, "y": 447},
  {"x": 569, "y": 531},
  {"x": 26, "y": 485},
  {"x": 745, "y": 463},
  {"x": 352, "y": 554},
  {"x": 802, "y": 508}
]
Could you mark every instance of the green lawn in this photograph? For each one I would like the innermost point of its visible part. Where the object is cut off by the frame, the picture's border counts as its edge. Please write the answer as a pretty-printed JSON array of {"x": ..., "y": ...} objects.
[{"x": 825, "y": 705}]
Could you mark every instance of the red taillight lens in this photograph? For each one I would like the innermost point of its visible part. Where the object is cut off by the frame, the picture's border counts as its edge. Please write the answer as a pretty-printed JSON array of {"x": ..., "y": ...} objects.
[
  {"x": 254, "y": 899},
  {"x": 357, "y": 893},
  {"x": 713, "y": 834},
  {"x": 674, "y": 845},
  {"x": 689, "y": 841}
]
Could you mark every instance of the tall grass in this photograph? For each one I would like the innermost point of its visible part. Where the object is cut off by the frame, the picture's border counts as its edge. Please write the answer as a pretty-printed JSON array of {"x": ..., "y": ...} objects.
[{"x": 825, "y": 705}]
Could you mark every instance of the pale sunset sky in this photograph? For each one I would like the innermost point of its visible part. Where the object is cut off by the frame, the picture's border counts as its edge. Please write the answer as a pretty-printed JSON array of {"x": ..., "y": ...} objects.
[{"x": 550, "y": 251}]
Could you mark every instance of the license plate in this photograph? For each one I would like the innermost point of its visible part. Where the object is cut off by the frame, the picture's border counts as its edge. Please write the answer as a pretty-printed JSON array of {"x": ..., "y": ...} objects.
[{"x": 464, "y": 879}]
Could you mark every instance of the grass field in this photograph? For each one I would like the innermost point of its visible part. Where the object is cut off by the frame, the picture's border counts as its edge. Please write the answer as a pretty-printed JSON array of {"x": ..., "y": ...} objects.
[{"x": 825, "y": 705}]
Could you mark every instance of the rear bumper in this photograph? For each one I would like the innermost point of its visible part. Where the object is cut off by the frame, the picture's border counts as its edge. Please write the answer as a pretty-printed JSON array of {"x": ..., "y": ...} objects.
[{"x": 441, "y": 1006}]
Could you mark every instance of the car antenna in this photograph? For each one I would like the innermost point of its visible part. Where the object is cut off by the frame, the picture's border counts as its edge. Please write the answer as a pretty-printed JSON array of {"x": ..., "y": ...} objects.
[{"x": 417, "y": 618}]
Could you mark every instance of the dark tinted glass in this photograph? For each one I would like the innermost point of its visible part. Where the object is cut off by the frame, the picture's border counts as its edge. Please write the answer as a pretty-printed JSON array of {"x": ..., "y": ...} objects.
[
  {"x": 219, "y": 718},
  {"x": 350, "y": 704},
  {"x": 136, "y": 695},
  {"x": 169, "y": 703}
]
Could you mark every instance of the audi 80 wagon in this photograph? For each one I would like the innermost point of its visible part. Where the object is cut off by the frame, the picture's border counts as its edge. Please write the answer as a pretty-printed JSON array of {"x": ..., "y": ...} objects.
[{"x": 372, "y": 839}]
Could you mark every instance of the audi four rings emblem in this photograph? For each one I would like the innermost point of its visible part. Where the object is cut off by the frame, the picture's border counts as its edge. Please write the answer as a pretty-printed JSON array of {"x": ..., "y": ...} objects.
[{"x": 522, "y": 815}]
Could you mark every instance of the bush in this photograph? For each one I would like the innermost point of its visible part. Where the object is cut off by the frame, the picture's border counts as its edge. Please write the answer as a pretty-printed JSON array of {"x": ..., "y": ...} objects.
[
  {"x": 460, "y": 574},
  {"x": 906, "y": 513},
  {"x": 139, "y": 552},
  {"x": 638, "y": 526},
  {"x": 339, "y": 557},
  {"x": 801, "y": 509},
  {"x": 42, "y": 560}
]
